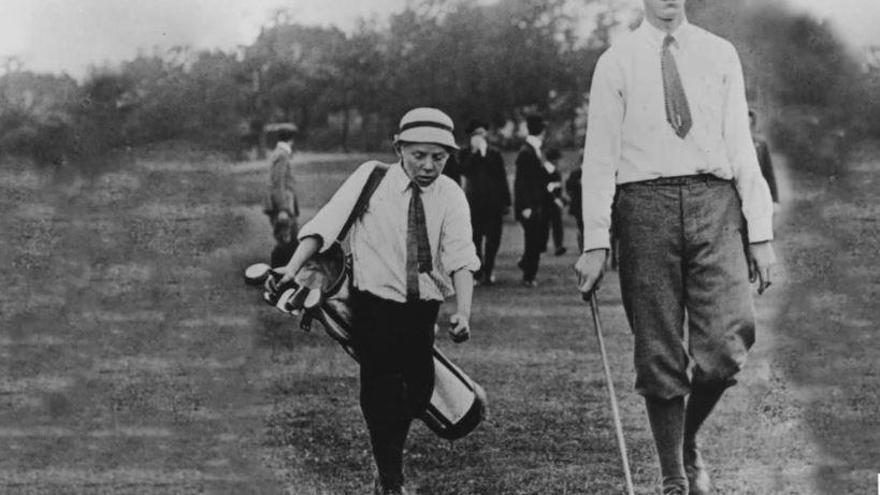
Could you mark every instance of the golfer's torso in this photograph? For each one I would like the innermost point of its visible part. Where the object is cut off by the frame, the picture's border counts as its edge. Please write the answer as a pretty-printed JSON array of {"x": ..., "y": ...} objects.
[{"x": 649, "y": 148}]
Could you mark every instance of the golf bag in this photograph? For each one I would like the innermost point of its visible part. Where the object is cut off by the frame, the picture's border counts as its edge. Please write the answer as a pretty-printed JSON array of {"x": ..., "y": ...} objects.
[{"x": 321, "y": 291}]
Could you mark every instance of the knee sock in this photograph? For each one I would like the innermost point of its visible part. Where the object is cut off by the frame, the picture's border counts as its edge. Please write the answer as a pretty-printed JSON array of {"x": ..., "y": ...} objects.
[
  {"x": 700, "y": 404},
  {"x": 667, "y": 424}
]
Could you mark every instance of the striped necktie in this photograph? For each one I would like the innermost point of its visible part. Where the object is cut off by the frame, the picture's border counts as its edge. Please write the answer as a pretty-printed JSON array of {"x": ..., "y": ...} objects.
[
  {"x": 418, "y": 249},
  {"x": 678, "y": 113}
]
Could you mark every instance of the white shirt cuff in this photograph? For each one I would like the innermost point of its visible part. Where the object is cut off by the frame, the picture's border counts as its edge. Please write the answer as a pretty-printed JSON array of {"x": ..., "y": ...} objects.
[
  {"x": 760, "y": 229},
  {"x": 596, "y": 239}
]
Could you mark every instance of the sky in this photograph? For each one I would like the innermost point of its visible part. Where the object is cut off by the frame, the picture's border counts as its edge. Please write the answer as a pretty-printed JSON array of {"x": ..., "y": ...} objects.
[{"x": 69, "y": 35}]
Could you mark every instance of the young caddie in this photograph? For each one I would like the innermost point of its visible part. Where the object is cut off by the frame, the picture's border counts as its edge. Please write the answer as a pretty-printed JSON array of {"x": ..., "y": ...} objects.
[{"x": 411, "y": 249}]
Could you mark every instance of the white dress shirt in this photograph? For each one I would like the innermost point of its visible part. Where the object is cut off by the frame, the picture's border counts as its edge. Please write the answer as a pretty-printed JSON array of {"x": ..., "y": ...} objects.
[
  {"x": 629, "y": 139},
  {"x": 378, "y": 238}
]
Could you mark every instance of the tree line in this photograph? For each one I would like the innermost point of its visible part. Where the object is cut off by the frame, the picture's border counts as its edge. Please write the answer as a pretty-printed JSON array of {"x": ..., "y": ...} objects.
[{"x": 346, "y": 90}]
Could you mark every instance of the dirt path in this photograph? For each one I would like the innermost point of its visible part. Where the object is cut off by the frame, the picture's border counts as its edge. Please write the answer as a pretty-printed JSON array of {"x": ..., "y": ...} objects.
[{"x": 137, "y": 362}]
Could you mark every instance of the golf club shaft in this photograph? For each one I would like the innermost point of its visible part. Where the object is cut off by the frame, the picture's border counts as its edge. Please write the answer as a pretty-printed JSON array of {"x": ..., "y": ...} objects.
[{"x": 621, "y": 443}]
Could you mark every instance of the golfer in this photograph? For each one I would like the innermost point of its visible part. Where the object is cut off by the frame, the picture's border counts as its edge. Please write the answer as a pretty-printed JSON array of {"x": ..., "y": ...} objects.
[
  {"x": 411, "y": 248},
  {"x": 669, "y": 133}
]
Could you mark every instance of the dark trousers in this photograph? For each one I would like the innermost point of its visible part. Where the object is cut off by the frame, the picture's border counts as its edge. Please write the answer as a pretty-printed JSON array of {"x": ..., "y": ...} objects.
[
  {"x": 554, "y": 226},
  {"x": 535, "y": 232},
  {"x": 580, "y": 226},
  {"x": 487, "y": 227},
  {"x": 282, "y": 252},
  {"x": 681, "y": 255},
  {"x": 394, "y": 343}
]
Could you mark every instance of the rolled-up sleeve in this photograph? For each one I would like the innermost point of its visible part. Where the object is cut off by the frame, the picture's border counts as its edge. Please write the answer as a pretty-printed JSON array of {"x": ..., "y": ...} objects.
[
  {"x": 757, "y": 203},
  {"x": 328, "y": 222},
  {"x": 602, "y": 151},
  {"x": 457, "y": 250}
]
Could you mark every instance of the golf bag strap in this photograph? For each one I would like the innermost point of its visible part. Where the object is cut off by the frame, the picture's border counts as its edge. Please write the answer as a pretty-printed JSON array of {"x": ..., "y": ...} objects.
[{"x": 363, "y": 200}]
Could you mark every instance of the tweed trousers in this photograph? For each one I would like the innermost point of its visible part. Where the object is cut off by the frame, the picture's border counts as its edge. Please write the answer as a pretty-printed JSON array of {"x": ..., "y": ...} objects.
[{"x": 682, "y": 259}]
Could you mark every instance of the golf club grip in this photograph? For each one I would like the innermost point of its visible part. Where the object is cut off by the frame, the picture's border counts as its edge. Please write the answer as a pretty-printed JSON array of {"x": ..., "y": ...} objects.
[{"x": 615, "y": 411}]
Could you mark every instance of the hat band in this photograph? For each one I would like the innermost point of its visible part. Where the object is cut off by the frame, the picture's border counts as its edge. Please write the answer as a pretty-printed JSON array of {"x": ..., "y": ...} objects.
[{"x": 425, "y": 123}]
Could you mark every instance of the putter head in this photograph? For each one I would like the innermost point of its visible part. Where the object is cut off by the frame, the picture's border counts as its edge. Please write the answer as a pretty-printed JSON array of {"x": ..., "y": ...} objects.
[{"x": 256, "y": 274}]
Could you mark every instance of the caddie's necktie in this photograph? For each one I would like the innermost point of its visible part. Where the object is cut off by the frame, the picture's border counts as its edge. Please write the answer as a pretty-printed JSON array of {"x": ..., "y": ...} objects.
[
  {"x": 678, "y": 113},
  {"x": 418, "y": 249}
]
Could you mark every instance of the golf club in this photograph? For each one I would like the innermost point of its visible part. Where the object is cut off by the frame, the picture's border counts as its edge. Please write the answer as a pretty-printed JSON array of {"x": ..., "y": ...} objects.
[{"x": 621, "y": 443}]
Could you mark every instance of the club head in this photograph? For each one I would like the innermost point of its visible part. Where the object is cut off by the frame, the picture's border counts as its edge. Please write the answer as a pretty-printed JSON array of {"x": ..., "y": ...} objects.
[
  {"x": 256, "y": 274},
  {"x": 292, "y": 299},
  {"x": 313, "y": 299},
  {"x": 282, "y": 303}
]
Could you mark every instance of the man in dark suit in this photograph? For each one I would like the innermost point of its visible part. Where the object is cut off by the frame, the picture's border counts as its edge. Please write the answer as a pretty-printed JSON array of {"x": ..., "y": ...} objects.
[
  {"x": 530, "y": 188},
  {"x": 485, "y": 184},
  {"x": 453, "y": 169}
]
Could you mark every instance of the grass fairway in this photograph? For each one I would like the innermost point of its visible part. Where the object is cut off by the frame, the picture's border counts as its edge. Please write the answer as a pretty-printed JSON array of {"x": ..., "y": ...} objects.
[{"x": 138, "y": 362}]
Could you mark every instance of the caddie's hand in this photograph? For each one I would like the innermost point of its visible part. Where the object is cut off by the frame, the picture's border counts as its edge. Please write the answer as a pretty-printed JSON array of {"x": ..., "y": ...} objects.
[
  {"x": 459, "y": 328},
  {"x": 590, "y": 268},
  {"x": 761, "y": 260},
  {"x": 527, "y": 213},
  {"x": 289, "y": 272}
]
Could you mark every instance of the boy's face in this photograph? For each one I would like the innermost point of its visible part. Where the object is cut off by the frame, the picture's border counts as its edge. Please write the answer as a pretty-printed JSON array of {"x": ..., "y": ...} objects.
[{"x": 423, "y": 162}]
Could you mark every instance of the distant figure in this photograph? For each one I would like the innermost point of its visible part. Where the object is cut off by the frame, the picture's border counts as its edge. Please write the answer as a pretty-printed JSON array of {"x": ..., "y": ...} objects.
[
  {"x": 554, "y": 202},
  {"x": 764, "y": 159},
  {"x": 573, "y": 188},
  {"x": 530, "y": 188},
  {"x": 453, "y": 169},
  {"x": 485, "y": 185},
  {"x": 281, "y": 204}
]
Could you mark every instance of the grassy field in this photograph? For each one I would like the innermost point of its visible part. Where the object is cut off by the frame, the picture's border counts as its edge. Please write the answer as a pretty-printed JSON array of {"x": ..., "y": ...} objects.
[{"x": 138, "y": 362}]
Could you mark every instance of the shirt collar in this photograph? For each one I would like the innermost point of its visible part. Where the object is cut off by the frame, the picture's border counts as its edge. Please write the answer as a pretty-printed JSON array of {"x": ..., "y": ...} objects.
[
  {"x": 284, "y": 146},
  {"x": 656, "y": 36},
  {"x": 401, "y": 180},
  {"x": 481, "y": 149},
  {"x": 535, "y": 141}
]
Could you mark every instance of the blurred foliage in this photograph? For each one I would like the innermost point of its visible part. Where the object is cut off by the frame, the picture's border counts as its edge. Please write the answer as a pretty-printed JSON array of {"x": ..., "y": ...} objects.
[
  {"x": 808, "y": 87},
  {"x": 347, "y": 89}
]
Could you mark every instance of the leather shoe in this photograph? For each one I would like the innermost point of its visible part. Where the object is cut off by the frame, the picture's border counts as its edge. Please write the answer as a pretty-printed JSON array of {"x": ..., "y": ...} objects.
[
  {"x": 697, "y": 473},
  {"x": 379, "y": 490},
  {"x": 674, "y": 486}
]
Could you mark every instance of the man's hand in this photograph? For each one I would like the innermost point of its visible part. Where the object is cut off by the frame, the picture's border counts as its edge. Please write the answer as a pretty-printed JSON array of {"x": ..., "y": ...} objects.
[
  {"x": 590, "y": 267},
  {"x": 527, "y": 213},
  {"x": 761, "y": 260},
  {"x": 459, "y": 328}
]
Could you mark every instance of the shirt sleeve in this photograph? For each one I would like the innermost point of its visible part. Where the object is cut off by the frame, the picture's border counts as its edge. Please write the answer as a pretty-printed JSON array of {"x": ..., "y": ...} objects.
[
  {"x": 328, "y": 222},
  {"x": 757, "y": 205},
  {"x": 602, "y": 151},
  {"x": 457, "y": 250}
]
